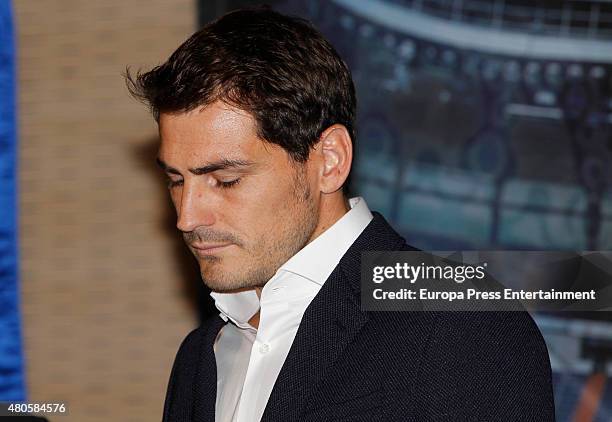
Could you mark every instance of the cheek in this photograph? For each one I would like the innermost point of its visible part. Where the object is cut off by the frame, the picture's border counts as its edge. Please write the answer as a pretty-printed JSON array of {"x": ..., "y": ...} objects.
[{"x": 262, "y": 207}]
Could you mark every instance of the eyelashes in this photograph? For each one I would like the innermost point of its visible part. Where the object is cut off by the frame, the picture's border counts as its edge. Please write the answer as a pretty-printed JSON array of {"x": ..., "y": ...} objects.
[
  {"x": 220, "y": 184},
  {"x": 174, "y": 183},
  {"x": 227, "y": 185}
]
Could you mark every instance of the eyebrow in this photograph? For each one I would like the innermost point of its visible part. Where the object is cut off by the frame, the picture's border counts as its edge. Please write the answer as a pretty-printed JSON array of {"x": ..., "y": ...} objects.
[{"x": 222, "y": 164}]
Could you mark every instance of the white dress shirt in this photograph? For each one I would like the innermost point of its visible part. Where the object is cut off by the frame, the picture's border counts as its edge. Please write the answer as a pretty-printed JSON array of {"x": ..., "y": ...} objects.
[{"x": 248, "y": 359}]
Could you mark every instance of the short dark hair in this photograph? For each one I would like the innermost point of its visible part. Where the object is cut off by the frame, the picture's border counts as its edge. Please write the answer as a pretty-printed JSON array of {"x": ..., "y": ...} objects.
[{"x": 278, "y": 68}]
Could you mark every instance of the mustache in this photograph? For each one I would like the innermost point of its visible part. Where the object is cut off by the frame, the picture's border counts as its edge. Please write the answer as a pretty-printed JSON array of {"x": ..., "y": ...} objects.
[{"x": 206, "y": 235}]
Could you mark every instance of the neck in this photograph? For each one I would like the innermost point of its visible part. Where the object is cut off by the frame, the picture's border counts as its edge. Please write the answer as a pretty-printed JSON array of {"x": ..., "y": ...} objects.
[{"x": 331, "y": 209}]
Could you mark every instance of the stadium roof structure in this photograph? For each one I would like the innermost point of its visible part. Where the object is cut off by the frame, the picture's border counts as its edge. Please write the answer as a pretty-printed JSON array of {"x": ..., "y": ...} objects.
[{"x": 460, "y": 30}]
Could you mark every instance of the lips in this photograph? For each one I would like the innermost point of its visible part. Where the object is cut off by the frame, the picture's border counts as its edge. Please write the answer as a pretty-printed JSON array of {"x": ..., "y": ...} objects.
[{"x": 209, "y": 248}]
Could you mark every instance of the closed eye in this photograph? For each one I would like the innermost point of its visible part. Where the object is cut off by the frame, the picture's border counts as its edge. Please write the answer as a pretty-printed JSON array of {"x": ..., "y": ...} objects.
[
  {"x": 219, "y": 183},
  {"x": 229, "y": 184},
  {"x": 174, "y": 183}
]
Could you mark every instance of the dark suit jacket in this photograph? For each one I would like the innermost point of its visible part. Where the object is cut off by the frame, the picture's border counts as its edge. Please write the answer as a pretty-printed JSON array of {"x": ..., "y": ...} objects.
[{"x": 349, "y": 365}]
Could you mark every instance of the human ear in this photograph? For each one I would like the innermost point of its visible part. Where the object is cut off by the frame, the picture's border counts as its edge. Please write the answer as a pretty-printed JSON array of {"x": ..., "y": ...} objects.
[{"x": 336, "y": 150}]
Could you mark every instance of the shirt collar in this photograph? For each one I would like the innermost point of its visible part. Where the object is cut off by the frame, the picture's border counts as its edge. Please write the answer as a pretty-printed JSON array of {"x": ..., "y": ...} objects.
[
  {"x": 238, "y": 307},
  {"x": 315, "y": 262}
]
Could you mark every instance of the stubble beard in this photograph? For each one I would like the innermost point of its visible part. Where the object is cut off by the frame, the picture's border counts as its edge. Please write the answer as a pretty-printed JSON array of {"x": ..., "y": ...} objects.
[{"x": 297, "y": 225}]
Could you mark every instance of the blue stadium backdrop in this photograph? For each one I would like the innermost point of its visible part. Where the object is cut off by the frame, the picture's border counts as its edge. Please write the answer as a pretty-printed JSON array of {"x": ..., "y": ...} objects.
[{"x": 11, "y": 362}]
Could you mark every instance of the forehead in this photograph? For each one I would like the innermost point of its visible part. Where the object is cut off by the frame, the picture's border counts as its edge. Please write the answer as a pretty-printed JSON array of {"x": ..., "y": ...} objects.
[{"x": 213, "y": 132}]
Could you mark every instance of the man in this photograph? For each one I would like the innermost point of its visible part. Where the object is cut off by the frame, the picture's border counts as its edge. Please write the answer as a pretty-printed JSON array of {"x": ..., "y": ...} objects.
[{"x": 256, "y": 119}]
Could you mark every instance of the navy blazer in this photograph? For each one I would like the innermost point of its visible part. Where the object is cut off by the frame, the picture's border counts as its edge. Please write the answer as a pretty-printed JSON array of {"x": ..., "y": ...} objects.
[{"x": 350, "y": 365}]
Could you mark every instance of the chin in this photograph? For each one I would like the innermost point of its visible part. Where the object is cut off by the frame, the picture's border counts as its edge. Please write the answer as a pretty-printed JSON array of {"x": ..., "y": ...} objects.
[
  {"x": 220, "y": 281},
  {"x": 228, "y": 282},
  {"x": 223, "y": 287}
]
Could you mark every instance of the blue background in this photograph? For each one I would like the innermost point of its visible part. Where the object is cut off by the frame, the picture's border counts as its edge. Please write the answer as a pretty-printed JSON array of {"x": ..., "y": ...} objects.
[{"x": 11, "y": 361}]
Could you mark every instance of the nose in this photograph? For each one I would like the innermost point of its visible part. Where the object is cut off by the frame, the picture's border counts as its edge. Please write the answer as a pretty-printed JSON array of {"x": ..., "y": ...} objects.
[{"x": 193, "y": 210}]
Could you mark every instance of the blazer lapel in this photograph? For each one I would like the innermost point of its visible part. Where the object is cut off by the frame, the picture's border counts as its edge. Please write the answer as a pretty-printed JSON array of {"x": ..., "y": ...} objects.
[
  {"x": 330, "y": 323},
  {"x": 205, "y": 385}
]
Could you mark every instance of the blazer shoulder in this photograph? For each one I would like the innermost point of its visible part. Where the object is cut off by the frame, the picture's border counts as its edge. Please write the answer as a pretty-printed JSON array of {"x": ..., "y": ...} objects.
[
  {"x": 482, "y": 330},
  {"x": 497, "y": 362}
]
